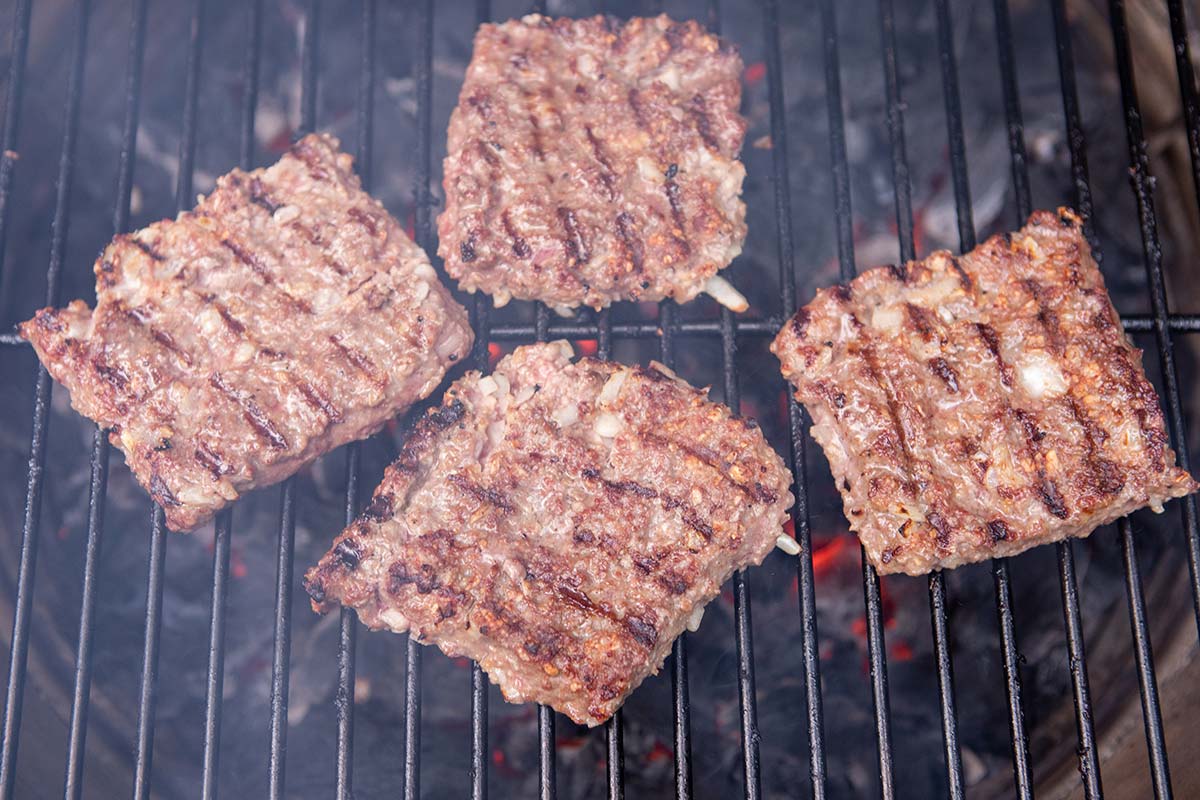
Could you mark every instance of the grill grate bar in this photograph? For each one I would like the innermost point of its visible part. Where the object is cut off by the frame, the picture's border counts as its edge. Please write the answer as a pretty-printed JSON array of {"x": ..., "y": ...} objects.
[
  {"x": 214, "y": 699},
  {"x": 148, "y": 698},
  {"x": 424, "y": 237},
  {"x": 1152, "y": 251},
  {"x": 1089, "y": 763},
  {"x": 1151, "y": 711},
  {"x": 785, "y": 252},
  {"x": 12, "y": 110},
  {"x": 1089, "y": 767},
  {"x": 97, "y": 489},
  {"x": 1191, "y": 110},
  {"x": 282, "y": 647},
  {"x": 26, "y": 570},
  {"x": 758, "y": 328},
  {"x": 967, "y": 240},
  {"x": 1143, "y": 187},
  {"x": 681, "y": 705},
  {"x": 876, "y": 644},
  {"x": 904, "y": 226},
  {"x": 480, "y": 323},
  {"x": 216, "y": 655}
]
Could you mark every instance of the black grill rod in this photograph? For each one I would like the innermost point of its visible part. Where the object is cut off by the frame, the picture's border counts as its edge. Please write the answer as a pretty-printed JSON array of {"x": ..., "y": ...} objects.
[
  {"x": 1151, "y": 712},
  {"x": 1089, "y": 766},
  {"x": 785, "y": 253},
  {"x": 97, "y": 489},
  {"x": 743, "y": 630},
  {"x": 26, "y": 571},
  {"x": 614, "y": 737},
  {"x": 281, "y": 649},
  {"x": 347, "y": 622},
  {"x": 480, "y": 307},
  {"x": 423, "y": 228},
  {"x": 1089, "y": 762},
  {"x": 1160, "y": 772},
  {"x": 1019, "y": 737},
  {"x": 148, "y": 698},
  {"x": 904, "y": 226},
  {"x": 681, "y": 706},
  {"x": 876, "y": 643},
  {"x": 12, "y": 111},
  {"x": 1191, "y": 110},
  {"x": 214, "y": 694},
  {"x": 281, "y": 638},
  {"x": 1143, "y": 186}
]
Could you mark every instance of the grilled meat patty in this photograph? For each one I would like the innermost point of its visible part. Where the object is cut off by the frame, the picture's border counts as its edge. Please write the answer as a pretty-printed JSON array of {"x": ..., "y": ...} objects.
[
  {"x": 560, "y": 523},
  {"x": 975, "y": 407},
  {"x": 594, "y": 160},
  {"x": 286, "y": 315}
]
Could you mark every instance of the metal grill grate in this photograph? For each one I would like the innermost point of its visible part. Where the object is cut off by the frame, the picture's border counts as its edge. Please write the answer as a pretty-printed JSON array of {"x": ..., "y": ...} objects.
[{"x": 670, "y": 330}]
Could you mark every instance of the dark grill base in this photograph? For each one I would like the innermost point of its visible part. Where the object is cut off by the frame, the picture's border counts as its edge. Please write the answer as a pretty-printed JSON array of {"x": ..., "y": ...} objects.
[{"x": 672, "y": 334}]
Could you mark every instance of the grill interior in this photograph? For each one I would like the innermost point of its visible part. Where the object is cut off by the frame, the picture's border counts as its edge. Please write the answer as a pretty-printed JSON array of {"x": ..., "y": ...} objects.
[{"x": 734, "y": 343}]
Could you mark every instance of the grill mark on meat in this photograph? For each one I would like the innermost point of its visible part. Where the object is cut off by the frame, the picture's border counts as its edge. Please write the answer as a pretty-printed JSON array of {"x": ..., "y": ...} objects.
[
  {"x": 348, "y": 552},
  {"x": 112, "y": 373},
  {"x": 634, "y": 98},
  {"x": 676, "y": 201},
  {"x": 575, "y": 243},
  {"x": 1049, "y": 494},
  {"x": 483, "y": 494},
  {"x": 800, "y": 322},
  {"x": 211, "y": 460},
  {"x": 364, "y": 219},
  {"x": 256, "y": 264},
  {"x": 315, "y": 399},
  {"x": 632, "y": 487},
  {"x": 712, "y": 459},
  {"x": 921, "y": 320},
  {"x": 230, "y": 321},
  {"x": 992, "y": 341},
  {"x": 138, "y": 317},
  {"x": 466, "y": 250},
  {"x": 942, "y": 527},
  {"x": 161, "y": 492},
  {"x": 303, "y": 151},
  {"x": 259, "y": 196},
  {"x": 249, "y": 259},
  {"x": 637, "y": 627},
  {"x": 606, "y": 171},
  {"x": 630, "y": 241},
  {"x": 998, "y": 530},
  {"x": 360, "y": 361},
  {"x": 520, "y": 247},
  {"x": 698, "y": 110},
  {"x": 944, "y": 371},
  {"x": 253, "y": 415},
  {"x": 380, "y": 508},
  {"x": 146, "y": 248},
  {"x": 1101, "y": 475},
  {"x": 963, "y": 278}
]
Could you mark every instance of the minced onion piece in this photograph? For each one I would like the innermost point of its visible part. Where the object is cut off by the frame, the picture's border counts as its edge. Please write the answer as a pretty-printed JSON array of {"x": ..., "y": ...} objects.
[
  {"x": 607, "y": 424},
  {"x": 723, "y": 292},
  {"x": 693, "y": 623},
  {"x": 612, "y": 387},
  {"x": 787, "y": 544}
]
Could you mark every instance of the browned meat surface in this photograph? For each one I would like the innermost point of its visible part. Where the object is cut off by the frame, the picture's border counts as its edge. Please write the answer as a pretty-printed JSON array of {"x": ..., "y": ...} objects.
[
  {"x": 286, "y": 315},
  {"x": 975, "y": 407},
  {"x": 594, "y": 160},
  {"x": 560, "y": 523}
]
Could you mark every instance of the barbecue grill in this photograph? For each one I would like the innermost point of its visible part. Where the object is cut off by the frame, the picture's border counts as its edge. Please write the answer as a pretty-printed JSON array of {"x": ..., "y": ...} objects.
[{"x": 340, "y": 53}]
